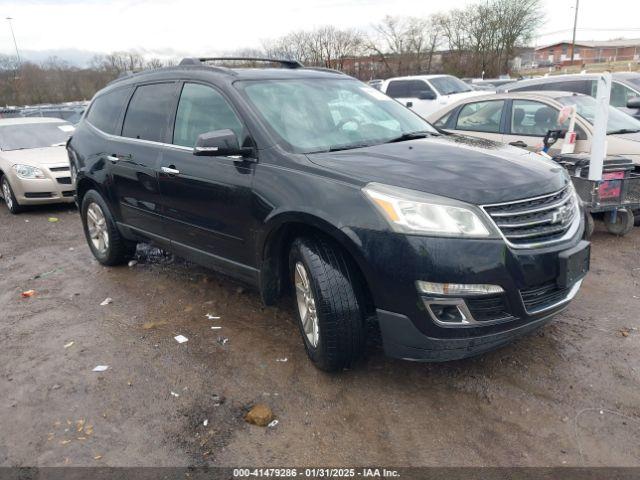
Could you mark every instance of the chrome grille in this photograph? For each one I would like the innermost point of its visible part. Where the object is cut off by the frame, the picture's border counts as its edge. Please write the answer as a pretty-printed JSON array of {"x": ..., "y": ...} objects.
[{"x": 535, "y": 221}]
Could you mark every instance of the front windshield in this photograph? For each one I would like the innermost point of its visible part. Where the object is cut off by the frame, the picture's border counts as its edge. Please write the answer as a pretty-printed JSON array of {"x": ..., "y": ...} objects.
[
  {"x": 449, "y": 85},
  {"x": 316, "y": 115},
  {"x": 34, "y": 135},
  {"x": 618, "y": 121}
]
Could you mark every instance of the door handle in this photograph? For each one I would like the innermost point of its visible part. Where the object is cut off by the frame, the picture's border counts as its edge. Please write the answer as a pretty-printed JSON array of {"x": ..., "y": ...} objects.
[
  {"x": 519, "y": 143},
  {"x": 114, "y": 158},
  {"x": 170, "y": 170},
  {"x": 409, "y": 104}
]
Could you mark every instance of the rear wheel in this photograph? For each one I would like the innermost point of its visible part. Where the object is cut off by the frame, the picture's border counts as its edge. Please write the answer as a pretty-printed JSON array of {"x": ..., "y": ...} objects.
[
  {"x": 329, "y": 312},
  {"x": 623, "y": 223},
  {"x": 104, "y": 239},
  {"x": 636, "y": 216},
  {"x": 9, "y": 198}
]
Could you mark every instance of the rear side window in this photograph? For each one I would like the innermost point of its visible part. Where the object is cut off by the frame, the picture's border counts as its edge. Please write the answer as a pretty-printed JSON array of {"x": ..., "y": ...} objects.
[
  {"x": 481, "y": 116},
  {"x": 534, "y": 118},
  {"x": 104, "y": 113},
  {"x": 203, "y": 109},
  {"x": 149, "y": 111},
  {"x": 406, "y": 88}
]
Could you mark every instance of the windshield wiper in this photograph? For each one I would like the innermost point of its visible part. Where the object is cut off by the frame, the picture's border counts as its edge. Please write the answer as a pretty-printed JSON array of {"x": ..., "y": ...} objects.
[
  {"x": 410, "y": 136},
  {"x": 337, "y": 148},
  {"x": 624, "y": 130}
]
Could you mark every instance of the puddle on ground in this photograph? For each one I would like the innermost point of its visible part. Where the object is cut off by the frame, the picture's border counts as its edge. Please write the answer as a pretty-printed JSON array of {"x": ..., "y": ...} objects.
[{"x": 150, "y": 254}]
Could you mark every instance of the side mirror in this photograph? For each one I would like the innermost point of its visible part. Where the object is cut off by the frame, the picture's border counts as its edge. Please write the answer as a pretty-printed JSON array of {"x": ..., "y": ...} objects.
[
  {"x": 634, "y": 103},
  {"x": 426, "y": 95},
  {"x": 218, "y": 143}
]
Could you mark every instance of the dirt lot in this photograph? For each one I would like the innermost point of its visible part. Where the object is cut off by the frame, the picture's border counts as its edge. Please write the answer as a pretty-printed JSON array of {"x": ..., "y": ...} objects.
[{"x": 566, "y": 395}]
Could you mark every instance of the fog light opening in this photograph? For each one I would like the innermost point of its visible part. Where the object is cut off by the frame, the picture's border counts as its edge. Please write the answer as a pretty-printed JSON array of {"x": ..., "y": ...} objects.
[{"x": 447, "y": 313}]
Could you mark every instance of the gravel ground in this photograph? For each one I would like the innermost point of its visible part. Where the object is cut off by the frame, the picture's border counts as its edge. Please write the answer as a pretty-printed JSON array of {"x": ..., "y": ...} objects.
[{"x": 565, "y": 395}]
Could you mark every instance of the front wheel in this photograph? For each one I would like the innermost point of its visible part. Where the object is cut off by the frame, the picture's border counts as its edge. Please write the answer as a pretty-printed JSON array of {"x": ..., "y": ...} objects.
[
  {"x": 104, "y": 239},
  {"x": 9, "y": 198},
  {"x": 589, "y": 225},
  {"x": 329, "y": 312},
  {"x": 623, "y": 222}
]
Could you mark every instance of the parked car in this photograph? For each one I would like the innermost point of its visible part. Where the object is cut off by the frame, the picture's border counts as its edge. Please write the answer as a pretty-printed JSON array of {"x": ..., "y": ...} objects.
[
  {"x": 490, "y": 84},
  {"x": 34, "y": 167},
  {"x": 71, "y": 114},
  {"x": 376, "y": 83},
  {"x": 625, "y": 88},
  {"x": 523, "y": 118},
  {"x": 311, "y": 182},
  {"x": 425, "y": 94}
]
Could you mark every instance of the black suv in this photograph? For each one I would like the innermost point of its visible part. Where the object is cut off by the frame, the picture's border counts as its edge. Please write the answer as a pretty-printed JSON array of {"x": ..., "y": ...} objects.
[{"x": 306, "y": 180}]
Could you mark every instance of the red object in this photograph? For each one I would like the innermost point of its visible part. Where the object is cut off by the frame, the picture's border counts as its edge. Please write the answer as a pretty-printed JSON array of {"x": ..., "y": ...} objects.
[{"x": 611, "y": 187}]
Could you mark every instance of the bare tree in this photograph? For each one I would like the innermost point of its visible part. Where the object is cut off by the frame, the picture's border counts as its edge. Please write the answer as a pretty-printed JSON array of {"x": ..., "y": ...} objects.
[
  {"x": 326, "y": 46},
  {"x": 405, "y": 45},
  {"x": 483, "y": 36}
]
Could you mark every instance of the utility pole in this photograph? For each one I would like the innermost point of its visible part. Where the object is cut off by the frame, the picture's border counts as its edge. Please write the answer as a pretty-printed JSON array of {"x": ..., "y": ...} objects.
[
  {"x": 575, "y": 24},
  {"x": 14, "y": 40}
]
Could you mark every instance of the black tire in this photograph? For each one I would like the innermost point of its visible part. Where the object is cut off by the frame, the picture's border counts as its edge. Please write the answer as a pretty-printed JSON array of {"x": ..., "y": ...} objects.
[
  {"x": 119, "y": 250},
  {"x": 623, "y": 224},
  {"x": 589, "y": 225},
  {"x": 12, "y": 204},
  {"x": 340, "y": 314},
  {"x": 636, "y": 216}
]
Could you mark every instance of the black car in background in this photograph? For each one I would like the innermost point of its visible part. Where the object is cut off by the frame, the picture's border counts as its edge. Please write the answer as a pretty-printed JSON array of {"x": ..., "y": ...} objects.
[
  {"x": 307, "y": 181},
  {"x": 625, "y": 88}
]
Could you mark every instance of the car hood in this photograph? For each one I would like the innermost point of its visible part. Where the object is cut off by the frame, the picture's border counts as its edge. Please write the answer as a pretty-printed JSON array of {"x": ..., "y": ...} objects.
[
  {"x": 469, "y": 169},
  {"x": 625, "y": 145},
  {"x": 37, "y": 156},
  {"x": 632, "y": 137}
]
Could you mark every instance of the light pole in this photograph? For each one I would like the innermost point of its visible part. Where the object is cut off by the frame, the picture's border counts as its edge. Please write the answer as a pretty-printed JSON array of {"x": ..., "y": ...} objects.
[
  {"x": 575, "y": 24},
  {"x": 14, "y": 39}
]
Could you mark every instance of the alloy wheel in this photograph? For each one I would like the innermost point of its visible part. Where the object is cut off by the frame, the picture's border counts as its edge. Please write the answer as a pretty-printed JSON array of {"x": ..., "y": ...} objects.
[
  {"x": 97, "y": 227},
  {"x": 6, "y": 193},
  {"x": 306, "y": 305}
]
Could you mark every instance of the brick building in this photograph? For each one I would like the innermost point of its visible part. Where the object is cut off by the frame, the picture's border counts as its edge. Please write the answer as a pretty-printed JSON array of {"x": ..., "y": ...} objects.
[{"x": 627, "y": 50}]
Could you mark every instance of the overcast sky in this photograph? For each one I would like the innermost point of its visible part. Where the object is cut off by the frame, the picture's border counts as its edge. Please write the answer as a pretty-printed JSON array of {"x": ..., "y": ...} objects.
[{"x": 198, "y": 27}]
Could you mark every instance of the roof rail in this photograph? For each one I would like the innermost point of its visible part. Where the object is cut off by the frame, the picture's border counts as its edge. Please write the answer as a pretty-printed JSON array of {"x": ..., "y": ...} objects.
[
  {"x": 325, "y": 69},
  {"x": 283, "y": 63}
]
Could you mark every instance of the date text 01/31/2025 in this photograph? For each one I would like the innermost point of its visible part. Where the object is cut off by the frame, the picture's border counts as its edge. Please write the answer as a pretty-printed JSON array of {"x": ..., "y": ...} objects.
[{"x": 315, "y": 472}]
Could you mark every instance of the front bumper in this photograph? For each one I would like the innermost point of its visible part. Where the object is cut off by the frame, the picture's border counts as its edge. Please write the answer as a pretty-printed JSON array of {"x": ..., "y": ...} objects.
[
  {"x": 57, "y": 187},
  {"x": 528, "y": 277},
  {"x": 401, "y": 339}
]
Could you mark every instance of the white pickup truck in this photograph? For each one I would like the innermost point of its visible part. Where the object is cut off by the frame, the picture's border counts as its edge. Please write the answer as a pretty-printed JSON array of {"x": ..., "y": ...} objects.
[{"x": 426, "y": 94}]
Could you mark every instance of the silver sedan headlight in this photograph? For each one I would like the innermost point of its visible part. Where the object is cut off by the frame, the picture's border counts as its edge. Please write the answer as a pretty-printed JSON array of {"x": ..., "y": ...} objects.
[
  {"x": 28, "y": 171},
  {"x": 413, "y": 212}
]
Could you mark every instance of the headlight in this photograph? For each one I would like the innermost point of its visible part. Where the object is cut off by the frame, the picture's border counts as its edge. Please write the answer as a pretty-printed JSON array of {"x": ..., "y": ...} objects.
[
  {"x": 27, "y": 171},
  {"x": 577, "y": 202},
  {"x": 408, "y": 211}
]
